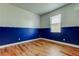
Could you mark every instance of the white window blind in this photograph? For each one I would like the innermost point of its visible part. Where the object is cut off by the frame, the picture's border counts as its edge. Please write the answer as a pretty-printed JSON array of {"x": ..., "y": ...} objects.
[{"x": 55, "y": 23}]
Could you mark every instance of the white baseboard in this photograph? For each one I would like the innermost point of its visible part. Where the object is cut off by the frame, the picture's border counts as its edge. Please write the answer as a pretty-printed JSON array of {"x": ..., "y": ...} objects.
[
  {"x": 7, "y": 45},
  {"x": 68, "y": 44},
  {"x": 72, "y": 45}
]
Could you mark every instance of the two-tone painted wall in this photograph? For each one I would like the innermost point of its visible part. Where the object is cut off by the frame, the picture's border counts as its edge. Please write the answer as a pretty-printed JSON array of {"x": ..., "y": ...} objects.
[
  {"x": 17, "y": 24},
  {"x": 69, "y": 24}
]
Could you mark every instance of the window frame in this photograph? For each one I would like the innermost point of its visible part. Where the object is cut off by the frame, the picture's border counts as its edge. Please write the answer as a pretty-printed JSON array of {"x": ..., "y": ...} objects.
[{"x": 55, "y": 23}]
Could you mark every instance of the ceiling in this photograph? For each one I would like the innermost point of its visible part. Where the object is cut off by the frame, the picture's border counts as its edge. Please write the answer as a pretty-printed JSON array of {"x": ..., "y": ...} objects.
[{"x": 39, "y": 8}]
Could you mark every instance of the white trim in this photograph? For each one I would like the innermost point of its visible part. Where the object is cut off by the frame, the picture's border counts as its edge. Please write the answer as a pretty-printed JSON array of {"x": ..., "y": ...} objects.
[
  {"x": 72, "y": 45},
  {"x": 3, "y": 46}
]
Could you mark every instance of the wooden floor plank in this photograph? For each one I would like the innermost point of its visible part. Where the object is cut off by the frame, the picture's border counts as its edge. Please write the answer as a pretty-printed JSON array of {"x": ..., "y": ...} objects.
[{"x": 39, "y": 48}]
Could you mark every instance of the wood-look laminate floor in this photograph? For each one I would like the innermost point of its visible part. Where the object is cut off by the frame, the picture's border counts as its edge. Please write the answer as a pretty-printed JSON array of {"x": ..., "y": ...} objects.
[{"x": 39, "y": 48}]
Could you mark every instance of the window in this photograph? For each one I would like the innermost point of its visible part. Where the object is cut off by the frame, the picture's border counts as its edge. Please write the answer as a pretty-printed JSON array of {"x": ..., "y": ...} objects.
[{"x": 56, "y": 23}]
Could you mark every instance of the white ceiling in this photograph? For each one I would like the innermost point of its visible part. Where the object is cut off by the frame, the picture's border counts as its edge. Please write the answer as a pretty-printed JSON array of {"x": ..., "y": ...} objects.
[{"x": 39, "y": 8}]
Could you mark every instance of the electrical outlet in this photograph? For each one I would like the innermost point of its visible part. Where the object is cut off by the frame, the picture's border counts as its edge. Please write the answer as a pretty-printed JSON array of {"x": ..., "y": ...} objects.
[
  {"x": 19, "y": 39},
  {"x": 64, "y": 39}
]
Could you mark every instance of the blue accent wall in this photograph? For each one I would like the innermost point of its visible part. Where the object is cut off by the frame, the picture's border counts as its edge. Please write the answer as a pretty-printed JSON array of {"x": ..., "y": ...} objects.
[
  {"x": 70, "y": 34},
  {"x": 12, "y": 34}
]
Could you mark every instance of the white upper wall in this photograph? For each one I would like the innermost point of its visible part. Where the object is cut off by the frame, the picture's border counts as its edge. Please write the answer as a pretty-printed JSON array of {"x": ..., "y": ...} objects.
[
  {"x": 11, "y": 16},
  {"x": 70, "y": 16}
]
